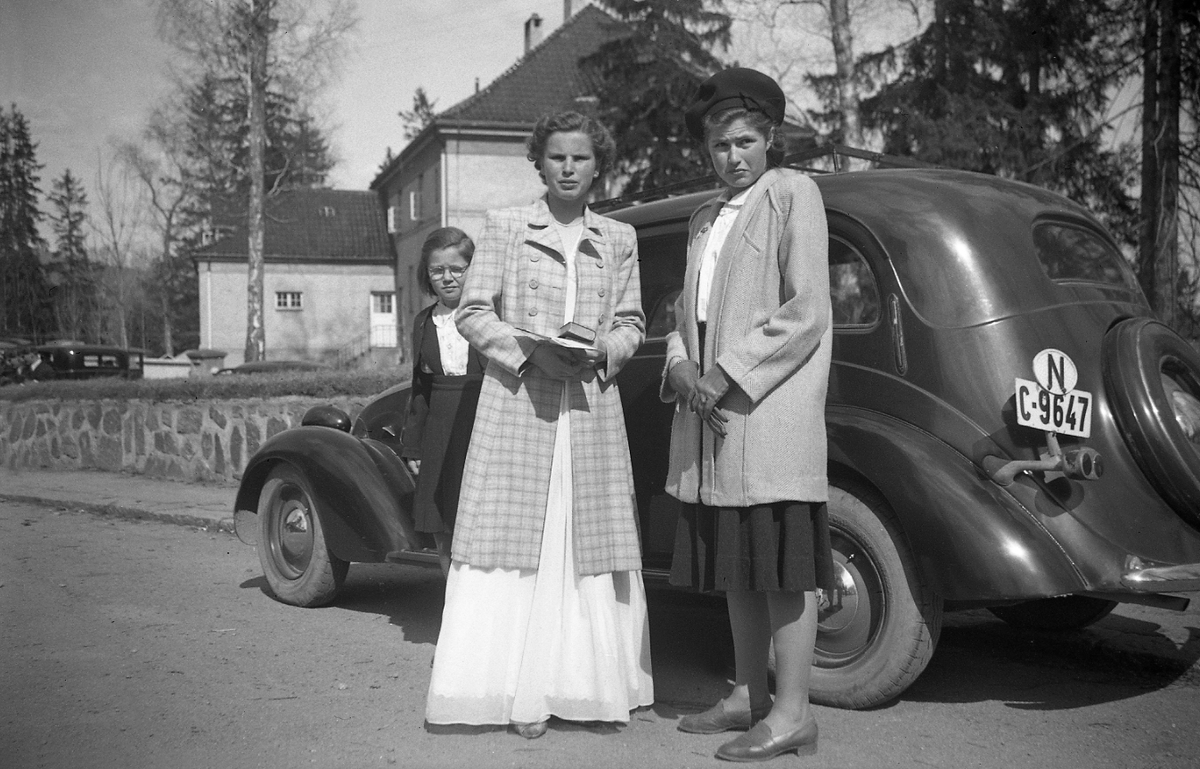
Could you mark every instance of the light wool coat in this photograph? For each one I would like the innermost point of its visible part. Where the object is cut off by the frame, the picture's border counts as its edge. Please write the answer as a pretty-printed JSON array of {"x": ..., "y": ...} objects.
[
  {"x": 770, "y": 328},
  {"x": 516, "y": 285}
]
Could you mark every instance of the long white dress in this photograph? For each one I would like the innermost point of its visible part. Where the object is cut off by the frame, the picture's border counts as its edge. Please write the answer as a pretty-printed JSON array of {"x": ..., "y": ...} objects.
[{"x": 521, "y": 645}]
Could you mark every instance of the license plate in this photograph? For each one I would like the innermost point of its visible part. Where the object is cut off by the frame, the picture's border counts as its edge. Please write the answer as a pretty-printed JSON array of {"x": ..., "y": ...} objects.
[{"x": 1067, "y": 413}]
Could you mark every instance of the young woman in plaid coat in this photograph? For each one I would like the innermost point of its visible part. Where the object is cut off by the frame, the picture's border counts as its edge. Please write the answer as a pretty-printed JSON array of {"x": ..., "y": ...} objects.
[{"x": 545, "y": 610}]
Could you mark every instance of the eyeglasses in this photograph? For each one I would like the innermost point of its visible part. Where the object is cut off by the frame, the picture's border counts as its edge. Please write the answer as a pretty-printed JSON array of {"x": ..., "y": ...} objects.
[{"x": 436, "y": 273}]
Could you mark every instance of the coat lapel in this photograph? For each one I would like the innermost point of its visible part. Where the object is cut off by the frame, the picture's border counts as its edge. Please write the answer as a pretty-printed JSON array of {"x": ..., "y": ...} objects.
[{"x": 539, "y": 232}]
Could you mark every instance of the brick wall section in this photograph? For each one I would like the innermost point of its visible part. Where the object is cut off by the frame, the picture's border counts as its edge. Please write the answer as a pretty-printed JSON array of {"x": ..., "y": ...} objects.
[{"x": 196, "y": 441}]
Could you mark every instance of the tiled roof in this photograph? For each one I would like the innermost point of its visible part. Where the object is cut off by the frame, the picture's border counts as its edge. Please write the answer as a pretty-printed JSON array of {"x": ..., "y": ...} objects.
[
  {"x": 318, "y": 225},
  {"x": 547, "y": 79}
]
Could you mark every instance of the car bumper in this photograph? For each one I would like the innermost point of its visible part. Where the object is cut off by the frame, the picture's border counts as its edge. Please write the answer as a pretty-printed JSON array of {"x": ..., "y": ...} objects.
[{"x": 1146, "y": 577}]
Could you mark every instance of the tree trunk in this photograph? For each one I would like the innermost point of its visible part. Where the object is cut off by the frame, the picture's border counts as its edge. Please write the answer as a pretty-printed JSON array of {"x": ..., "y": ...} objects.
[
  {"x": 1159, "y": 242},
  {"x": 259, "y": 29},
  {"x": 843, "y": 57}
]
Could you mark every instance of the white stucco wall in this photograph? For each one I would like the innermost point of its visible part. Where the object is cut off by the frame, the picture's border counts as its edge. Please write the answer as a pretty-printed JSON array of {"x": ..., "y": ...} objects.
[{"x": 335, "y": 308}]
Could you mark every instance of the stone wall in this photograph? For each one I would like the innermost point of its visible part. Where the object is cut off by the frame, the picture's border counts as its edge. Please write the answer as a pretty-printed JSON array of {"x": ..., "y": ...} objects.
[{"x": 195, "y": 441}]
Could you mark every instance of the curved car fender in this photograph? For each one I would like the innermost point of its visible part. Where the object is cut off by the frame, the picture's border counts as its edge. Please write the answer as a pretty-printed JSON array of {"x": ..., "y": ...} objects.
[
  {"x": 971, "y": 538},
  {"x": 363, "y": 492}
]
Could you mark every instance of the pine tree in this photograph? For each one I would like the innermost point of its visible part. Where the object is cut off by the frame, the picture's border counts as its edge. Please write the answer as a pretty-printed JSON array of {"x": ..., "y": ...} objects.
[
  {"x": 1016, "y": 89},
  {"x": 645, "y": 78},
  {"x": 24, "y": 308},
  {"x": 71, "y": 273}
]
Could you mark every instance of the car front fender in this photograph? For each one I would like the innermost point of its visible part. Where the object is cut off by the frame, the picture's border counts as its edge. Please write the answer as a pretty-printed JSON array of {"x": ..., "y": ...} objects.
[
  {"x": 363, "y": 492},
  {"x": 972, "y": 539}
]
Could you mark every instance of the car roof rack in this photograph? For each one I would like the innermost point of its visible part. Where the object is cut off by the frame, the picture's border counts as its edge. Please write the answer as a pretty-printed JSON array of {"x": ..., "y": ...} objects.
[{"x": 839, "y": 158}]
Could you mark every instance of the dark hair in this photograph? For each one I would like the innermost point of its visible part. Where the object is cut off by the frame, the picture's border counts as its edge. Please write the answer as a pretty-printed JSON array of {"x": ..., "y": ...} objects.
[
  {"x": 442, "y": 237},
  {"x": 603, "y": 145},
  {"x": 758, "y": 120}
]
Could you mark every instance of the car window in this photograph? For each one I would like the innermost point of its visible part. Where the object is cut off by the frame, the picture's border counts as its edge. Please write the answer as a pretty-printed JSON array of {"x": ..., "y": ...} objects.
[
  {"x": 662, "y": 320},
  {"x": 853, "y": 290},
  {"x": 1071, "y": 253}
]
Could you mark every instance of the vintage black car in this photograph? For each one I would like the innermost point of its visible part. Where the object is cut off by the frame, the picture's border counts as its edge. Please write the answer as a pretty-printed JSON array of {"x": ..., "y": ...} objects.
[
  {"x": 79, "y": 360},
  {"x": 1009, "y": 428}
]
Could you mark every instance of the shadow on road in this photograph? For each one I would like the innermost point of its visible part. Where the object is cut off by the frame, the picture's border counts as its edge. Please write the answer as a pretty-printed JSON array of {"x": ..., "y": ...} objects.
[{"x": 980, "y": 658}]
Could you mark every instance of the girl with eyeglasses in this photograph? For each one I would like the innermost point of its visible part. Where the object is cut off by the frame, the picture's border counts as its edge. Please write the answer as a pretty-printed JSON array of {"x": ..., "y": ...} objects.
[{"x": 447, "y": 374}]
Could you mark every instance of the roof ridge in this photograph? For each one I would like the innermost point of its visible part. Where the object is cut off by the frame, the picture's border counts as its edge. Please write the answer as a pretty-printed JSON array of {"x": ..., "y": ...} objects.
[{"x": 526, "y": 58}]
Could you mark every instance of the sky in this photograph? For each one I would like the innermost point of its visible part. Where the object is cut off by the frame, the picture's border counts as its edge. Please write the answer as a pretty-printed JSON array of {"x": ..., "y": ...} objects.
[{"x": 86, "y": 73}]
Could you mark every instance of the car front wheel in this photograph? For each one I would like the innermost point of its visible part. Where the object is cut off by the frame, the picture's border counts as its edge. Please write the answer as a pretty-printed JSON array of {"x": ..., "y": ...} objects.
[
  {"x": 878, "y": 630},
  {"x": 291, "y": 544}
]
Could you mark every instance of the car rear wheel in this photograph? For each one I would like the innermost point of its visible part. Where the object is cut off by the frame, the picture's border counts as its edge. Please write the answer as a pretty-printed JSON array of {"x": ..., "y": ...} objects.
[
  {"x": 291, "y": 545},
  {"x": 881, "y": 625},
  {"x": 1152, "y": 377},
  {"x": 1068, "y": 612}
]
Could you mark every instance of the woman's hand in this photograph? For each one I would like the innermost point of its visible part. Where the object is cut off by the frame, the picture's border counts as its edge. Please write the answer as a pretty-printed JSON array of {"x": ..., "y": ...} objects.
[
  {"x": 683, "y": 377},
  {"x": 708, "y": 392},
  {"x": 597, "y": 358},
  {"x": 556, "y": 362},
  {"x": 413, "y": 465}
]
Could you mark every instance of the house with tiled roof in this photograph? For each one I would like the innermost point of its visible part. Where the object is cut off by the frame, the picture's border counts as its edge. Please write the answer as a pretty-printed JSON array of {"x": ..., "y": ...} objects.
[
  {"x": 471, "y": 157},
  {"x": 328, "y": 280}
]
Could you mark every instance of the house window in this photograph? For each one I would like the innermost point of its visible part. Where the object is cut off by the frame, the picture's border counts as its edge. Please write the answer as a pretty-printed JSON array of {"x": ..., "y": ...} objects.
[
  {"x": 414, "y": 205},
  {"x": 383, "y": 303},
  {"x": 288, "y": 300}
]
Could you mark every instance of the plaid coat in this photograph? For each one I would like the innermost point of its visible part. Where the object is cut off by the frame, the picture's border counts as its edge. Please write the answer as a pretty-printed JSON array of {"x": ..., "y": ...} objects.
[
  {"x": 517, "y": 284},
  {"x": 770, "y": 328}
]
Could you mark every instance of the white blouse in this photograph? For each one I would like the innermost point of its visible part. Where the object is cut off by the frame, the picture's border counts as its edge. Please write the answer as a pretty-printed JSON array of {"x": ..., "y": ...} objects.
[
  {"x": 451, "y": 345},
  {"x": 712, "y": 249}
]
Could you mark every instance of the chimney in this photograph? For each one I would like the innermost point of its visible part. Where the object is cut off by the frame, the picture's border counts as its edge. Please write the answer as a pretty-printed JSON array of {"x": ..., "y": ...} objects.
[
  {"x": 533, "y": 32},
  {"x": 566, "y": 11}
]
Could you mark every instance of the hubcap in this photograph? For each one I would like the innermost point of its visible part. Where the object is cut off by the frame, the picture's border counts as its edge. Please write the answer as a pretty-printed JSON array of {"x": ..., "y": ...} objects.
[
  {"x": 850, "y": 621},
  {"x": 292, "y": 537},
  {"x": 1182, "y": 390}
]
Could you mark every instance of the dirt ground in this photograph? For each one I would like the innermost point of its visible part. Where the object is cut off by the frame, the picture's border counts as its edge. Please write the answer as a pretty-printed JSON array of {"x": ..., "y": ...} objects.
[{"x": 132, "y": 644}]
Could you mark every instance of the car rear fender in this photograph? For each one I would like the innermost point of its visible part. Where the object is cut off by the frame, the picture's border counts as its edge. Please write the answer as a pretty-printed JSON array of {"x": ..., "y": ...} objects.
[
  {"x": 972, "y": 539},
  {"x": 362, "y": 490}
]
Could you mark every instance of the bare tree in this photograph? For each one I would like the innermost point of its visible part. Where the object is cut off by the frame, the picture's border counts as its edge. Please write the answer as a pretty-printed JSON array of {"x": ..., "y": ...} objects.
[
  {"x": 288, "y": 42},
  {"x": 791, "y": 40},
  {"x": 159, "y": 165},
  {"x": 117, "y": 229}
]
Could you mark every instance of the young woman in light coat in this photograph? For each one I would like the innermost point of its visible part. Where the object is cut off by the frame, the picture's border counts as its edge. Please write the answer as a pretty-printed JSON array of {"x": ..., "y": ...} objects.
[
  {"x": 748, "y": 369},
  {"x": 545, "y": 610}
]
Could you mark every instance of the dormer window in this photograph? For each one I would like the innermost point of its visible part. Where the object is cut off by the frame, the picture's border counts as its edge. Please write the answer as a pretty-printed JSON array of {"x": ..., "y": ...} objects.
[{"x": 328, "y": 211}]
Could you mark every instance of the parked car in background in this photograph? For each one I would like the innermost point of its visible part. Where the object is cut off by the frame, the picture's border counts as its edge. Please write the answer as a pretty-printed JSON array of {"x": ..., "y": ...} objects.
[
  {"x": 1009, "y": 427},
  {"x": 70, "y": 359}
]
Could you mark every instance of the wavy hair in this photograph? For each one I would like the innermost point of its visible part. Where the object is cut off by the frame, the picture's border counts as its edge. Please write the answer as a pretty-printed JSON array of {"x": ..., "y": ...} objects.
[{"x": 603, "y": 146}]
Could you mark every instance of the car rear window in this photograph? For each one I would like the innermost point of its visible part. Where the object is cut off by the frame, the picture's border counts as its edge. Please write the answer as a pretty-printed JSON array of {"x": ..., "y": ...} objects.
[
  {"x": 853, "y": 291},
  {"x": 1070, "y": 253}
]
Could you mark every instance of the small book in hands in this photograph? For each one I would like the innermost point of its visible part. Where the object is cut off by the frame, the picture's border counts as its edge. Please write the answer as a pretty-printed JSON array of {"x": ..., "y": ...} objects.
[{"x": 572, "y": 336}]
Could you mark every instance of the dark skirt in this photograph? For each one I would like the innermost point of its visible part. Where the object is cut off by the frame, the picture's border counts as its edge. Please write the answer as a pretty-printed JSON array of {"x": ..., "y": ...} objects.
[
  {"x": 783, "y": 546},
  {"x": 447, "y": 433}
]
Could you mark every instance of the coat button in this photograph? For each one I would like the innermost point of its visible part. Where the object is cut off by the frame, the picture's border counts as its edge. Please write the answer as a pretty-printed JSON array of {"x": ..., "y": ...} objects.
[
  {"x": 600, "y": 264},
  {"x": 533, "y": 283},
  {"x": 534, "y": 257},
  {"x": 602, "y": 319},
  {"x": 533, "y": 311},
  {"x": 600, "y": 292}
]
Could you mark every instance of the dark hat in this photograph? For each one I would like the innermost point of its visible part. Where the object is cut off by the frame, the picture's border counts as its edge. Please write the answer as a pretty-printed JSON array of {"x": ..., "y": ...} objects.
[{"x": 735, "y": 87}]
